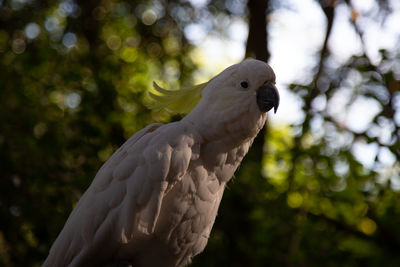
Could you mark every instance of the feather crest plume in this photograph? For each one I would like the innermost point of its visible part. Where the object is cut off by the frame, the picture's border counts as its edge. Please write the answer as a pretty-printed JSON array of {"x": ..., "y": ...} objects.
[{"x": 177, "y": 101}]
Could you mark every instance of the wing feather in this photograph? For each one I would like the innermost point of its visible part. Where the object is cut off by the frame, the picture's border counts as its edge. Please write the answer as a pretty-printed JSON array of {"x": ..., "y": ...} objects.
[{"x": 125, "y": 197}]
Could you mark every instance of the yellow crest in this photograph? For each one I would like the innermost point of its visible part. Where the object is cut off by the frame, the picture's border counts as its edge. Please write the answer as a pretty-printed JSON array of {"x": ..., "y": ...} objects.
[{"x": 177, "y": 101}]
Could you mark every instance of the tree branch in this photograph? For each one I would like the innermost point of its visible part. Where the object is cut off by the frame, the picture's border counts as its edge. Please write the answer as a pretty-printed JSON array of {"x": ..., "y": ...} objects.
[{"x": 257, "y": 41}]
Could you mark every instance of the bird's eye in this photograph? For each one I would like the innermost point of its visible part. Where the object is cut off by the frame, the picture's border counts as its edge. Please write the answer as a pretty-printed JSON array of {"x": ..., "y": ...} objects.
[{"x": 244, "y": 84}]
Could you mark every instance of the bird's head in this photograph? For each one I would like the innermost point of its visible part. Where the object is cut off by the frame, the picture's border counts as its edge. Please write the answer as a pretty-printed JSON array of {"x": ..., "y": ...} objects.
[
  {"x": 244, "y": 91},
  {"x": 249, "y": 83}
]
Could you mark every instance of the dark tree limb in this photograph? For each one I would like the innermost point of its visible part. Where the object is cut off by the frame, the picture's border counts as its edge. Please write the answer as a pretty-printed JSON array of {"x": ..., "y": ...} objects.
[
  {"x": 257, "y": 41},
  {"x": 328, "y": 7}
]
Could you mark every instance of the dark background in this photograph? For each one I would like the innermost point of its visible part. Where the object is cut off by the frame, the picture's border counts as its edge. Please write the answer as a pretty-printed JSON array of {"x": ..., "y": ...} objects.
[{"x": 73, "y": 92}]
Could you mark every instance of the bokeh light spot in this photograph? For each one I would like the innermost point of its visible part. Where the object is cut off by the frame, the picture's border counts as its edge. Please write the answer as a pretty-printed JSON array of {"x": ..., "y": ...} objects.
[
  {"x": 18, "y": 46},
  {"x": 128, "y": 54},
  {"x": 171, "y": 45},
  {"x": 72, "y": 100},
  {"x": 114, "y": 42},
  {"x": 32, "y": 30},
  {"x": 294, "y": 200},
  {"x": 15, "y": 211},
  {"x": 52, "y": 24},
  {"x": 39, "y": 130},
  {"x": 66, "y": 8},
  {"x": 133, "y": 41},
  {"x": 367, "y": 226},
  {"x": 69, "y": 39},
  {"x": 149, "y": 17},
  {"x": 195, "y": 32}
]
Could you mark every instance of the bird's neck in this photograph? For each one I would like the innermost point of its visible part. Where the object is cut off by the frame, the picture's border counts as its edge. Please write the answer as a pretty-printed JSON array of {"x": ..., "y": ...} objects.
[
  {"x": 225, "y": 139},
  {"x": 233, "y": 126}
]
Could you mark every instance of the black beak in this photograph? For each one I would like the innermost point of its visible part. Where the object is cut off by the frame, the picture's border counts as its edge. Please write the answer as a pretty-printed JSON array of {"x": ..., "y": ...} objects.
[{"x": 267, "y": 98}]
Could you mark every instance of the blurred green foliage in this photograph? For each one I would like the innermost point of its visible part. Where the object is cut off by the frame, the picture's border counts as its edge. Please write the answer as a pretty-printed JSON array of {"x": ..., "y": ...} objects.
[{"x": 73, "y": 80}]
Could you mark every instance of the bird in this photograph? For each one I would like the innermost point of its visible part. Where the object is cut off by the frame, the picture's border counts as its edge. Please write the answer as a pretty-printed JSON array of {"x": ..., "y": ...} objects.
[{"x": 155, "y": 200}]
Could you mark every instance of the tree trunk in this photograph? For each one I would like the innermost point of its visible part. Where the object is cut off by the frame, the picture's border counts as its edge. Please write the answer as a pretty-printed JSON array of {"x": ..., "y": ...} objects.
[{"x": 257, "y": 41}]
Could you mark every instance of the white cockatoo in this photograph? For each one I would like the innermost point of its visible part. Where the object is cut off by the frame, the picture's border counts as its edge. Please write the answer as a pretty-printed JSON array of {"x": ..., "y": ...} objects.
[{"x": 154, "y": 202}]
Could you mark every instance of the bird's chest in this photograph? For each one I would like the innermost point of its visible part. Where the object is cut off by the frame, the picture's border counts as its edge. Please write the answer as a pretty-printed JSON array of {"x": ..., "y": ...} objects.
[{"x": 190, "y": 208}]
